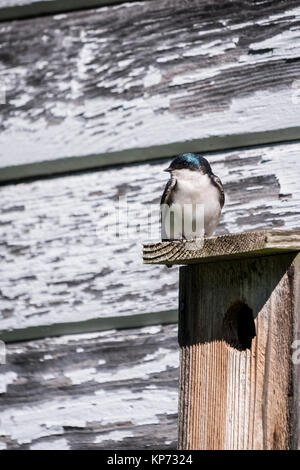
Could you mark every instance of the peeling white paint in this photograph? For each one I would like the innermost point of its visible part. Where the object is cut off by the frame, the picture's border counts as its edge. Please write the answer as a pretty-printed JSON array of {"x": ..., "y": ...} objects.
[
  {"x": 60, "y": 16},
  {"x": 6, "y": 379},
  {"x": 292, "y": 15},
  {"x": 21, "y": 101},
  {"x": 48, "y": 376},
  {"x": 78, "y": 121},
  {"x": 153, "y": 77},
  {"x": 125, "y": 63},
  {"x": 48, "y": 357},
  {"x": 253, "y": 188},
  {"x": 152, "y": 330},
  {"x": 285, "y": 44},
  {"x": 81, "y": 375},
  {"x": 168, "y": 58},
  {"x": 99, "y": 410},
  {"x": 259, "y": 111},
  {"x": 83, "y": 337},
  {"x": 115, "y": 436},
  {"x": 213, "y": 48},
  {"x": 48, "y": 418},
  {"x": 160, "y": 361},
  {"x": 57, "y": 444},
  {"x": 198, "y": 75},
  {"x": 37, "y": 284}
]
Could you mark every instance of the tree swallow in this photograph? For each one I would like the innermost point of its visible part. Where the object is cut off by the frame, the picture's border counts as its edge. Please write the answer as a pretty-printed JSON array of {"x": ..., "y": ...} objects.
[{"x": 192, "y": 186}]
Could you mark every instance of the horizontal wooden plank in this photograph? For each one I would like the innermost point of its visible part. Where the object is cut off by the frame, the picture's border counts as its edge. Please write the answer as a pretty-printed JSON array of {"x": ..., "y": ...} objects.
[
  {"x": 238, "y": 245},
  {"x": 112, "y": 390},
  {"x": 94, "y": 324},
  {"x": 94, "y": 162},
  {"x": 22, "y": 172},
  {"x": 14, "y": 9},
  {"x": 106, "y": 84},
  {"x": 58, "y": 265}
]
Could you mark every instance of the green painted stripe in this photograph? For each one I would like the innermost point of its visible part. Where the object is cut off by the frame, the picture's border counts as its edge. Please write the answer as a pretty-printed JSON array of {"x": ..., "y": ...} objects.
[
  {"x": 88, "y": 162},
  {"x": 45, "y": 7},
  {"x": 88, "y": 326}
]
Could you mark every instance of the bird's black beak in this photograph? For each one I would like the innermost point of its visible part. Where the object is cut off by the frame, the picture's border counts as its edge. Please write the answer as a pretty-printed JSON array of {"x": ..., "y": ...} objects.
[{"x": 168, "y": 169}]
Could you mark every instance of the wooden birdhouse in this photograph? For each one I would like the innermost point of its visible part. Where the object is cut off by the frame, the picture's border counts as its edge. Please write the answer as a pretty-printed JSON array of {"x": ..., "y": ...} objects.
[{"x": 239, "y": 302}]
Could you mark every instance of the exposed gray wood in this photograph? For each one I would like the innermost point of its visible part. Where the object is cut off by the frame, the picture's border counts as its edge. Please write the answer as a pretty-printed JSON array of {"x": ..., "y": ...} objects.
[
  {"x": 11, "y": 9},
  {"x": 109, "y": 390},
  {"x": 235, "y": 331},
  {"x": 146, "y": 75},
  {"x": 59, "y": 266},
  {"x": 238, "y": 245}
]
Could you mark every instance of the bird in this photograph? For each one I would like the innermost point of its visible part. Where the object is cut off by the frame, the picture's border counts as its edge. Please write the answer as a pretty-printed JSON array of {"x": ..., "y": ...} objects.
[{"x": 195, "y": 196}]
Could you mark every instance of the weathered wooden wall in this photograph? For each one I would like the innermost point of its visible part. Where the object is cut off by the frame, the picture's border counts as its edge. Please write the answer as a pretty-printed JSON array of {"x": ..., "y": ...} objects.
[
  {"x": 58, "y": 265},
  {"x": 109, "y": 390},
  {"x": 141, "y": 79},
  {"x": 133, "y": 83}
]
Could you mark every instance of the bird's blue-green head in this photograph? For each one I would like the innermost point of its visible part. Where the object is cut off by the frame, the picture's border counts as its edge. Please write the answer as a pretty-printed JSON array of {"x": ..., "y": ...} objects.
[{"x": 190, "y": 161}]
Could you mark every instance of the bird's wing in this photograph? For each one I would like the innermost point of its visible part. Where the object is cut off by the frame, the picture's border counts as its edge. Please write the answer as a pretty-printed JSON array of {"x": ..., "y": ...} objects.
[
  {"x": 217, "y": 182},
  {"x": 167, "y": 198},
  {"x": 167, "y": 194}
]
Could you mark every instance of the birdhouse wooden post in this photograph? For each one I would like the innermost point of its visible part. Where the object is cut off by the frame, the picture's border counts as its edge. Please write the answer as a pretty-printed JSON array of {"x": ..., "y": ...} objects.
[{"x": 239, "y": 303}]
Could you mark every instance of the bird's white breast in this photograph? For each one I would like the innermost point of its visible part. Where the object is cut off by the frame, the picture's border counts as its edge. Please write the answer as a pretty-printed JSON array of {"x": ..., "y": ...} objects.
[{"x": 195, "y": 188}]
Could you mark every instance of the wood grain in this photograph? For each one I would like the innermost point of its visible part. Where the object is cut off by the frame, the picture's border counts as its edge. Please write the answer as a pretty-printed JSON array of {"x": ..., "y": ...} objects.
[
  {"x": 58, "y": 265},
  {"x": 110, "y": 390},
  {"x": 234, "y": 396},
  {"x": 245, "y": 244},
  {"x": 145, "y": 78},
  {"x": 295, "y": 401}
]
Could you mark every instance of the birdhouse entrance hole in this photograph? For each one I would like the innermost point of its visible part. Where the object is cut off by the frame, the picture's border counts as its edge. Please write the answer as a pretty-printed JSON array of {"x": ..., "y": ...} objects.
[{"x": 239, "y": 326}]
